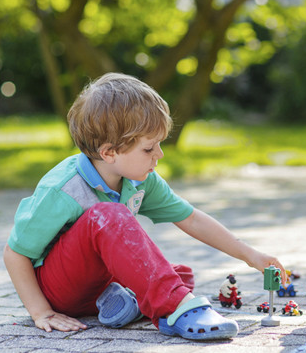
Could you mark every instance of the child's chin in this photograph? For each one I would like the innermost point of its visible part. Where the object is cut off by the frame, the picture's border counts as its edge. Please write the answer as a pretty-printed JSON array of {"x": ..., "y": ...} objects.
[{"x": 144, "y": 177}]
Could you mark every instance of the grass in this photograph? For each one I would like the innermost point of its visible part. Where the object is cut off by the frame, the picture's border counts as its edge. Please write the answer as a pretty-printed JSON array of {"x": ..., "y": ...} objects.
[
  {"x": 213, "y": 148},
  {"x": 30, "y": 146}
]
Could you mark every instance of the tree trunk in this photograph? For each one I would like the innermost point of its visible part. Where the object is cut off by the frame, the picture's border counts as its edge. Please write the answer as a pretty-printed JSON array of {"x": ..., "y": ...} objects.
[
  {"x": 52, "y": 72},
  {"x": 82, "y": 58},
  {"x": 80, "y": 53},
  {"x": 196, "y": 89}
]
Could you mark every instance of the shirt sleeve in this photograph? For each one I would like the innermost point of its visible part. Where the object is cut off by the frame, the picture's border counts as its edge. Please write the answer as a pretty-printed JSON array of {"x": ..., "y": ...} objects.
[
  {"x": 39, "y": 219},
  {"x": 161, "y": 203}
]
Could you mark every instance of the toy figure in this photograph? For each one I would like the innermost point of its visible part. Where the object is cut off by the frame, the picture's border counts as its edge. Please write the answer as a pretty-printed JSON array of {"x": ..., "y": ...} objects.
[
  {"x": 264, "y": 307},
  {"x": 288, "y": 289},
  {"x": 292, "y": 309},
  {"x": 293, "y": 274},
  {"x": 228, "y": 293}
]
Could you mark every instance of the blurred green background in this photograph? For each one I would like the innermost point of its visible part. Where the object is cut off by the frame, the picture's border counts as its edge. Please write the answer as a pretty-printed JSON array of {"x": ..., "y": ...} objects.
[{"x": 232, "y": 71}]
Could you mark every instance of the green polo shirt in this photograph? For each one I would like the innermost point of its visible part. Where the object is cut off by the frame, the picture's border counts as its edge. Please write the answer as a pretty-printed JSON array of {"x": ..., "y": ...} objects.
[{"x": 72, "y": 187}]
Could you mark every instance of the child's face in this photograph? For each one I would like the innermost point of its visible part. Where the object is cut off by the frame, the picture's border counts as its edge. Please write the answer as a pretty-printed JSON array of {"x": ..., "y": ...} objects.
[{"x": 141, "y": 160}]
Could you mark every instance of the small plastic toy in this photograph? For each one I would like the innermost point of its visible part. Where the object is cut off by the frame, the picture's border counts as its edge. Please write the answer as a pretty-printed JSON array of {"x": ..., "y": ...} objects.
[
  {"x": 292, "y": 309},
  {"x": 288, "y": 289},
  {"x": 264, "y": 307},
  {"x": 228, "y": 293},
  {"x": 272, "y": 282},
  {"x": 293, "y": 274}
]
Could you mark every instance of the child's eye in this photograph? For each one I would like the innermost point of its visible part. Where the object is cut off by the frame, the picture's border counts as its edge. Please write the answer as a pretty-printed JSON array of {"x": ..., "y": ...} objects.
[{"x": 149, "y": 150}]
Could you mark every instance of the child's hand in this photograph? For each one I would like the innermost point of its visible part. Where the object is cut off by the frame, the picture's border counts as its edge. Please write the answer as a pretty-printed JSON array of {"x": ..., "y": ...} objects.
[
  {"x": 61, "y": 322},
  {"x": 260, "y": 261}
]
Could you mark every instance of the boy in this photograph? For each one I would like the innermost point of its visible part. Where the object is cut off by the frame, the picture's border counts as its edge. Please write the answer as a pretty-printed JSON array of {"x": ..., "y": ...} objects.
[{"x": 76, "y": 244}]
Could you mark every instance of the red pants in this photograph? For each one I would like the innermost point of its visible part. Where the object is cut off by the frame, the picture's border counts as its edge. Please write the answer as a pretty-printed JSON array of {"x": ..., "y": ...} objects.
[{"x": 106, "y": 245}]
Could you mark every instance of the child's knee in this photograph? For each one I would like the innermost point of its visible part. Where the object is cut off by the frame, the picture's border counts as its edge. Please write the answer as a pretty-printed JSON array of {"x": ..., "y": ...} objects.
[
  {"x": 111, "y": 222},
  {"x": 105, "y": 213}
]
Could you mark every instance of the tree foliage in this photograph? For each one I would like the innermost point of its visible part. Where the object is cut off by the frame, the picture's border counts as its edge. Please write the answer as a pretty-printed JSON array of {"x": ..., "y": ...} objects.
[
  {"x": 177, "y": 46},
  {"x": 289, "y": 77}
]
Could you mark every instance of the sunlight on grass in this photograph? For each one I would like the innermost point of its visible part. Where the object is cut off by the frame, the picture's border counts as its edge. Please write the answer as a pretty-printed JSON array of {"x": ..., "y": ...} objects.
[
  {"x": 30, "y": 146},
  {"x": 212, "y": 148},
  {"x": 213, "y": 134},
  {"x": 16, "y": 131}
]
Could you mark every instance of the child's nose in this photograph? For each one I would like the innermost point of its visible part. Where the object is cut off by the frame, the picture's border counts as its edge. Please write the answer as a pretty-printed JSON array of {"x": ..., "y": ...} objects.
[{"x": 159, "y": 153}]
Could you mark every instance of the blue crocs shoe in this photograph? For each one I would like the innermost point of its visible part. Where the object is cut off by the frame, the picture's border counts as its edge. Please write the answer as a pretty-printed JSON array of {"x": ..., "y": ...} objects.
[
  {"x": 196, "y": 320},
  {"x": 117, "y": 306}
]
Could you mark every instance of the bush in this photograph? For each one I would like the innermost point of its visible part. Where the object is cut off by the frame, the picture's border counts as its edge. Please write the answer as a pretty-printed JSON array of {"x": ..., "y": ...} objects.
[
  {"x": 21, "y": 63},
  {"x": 288, "y": 103}
]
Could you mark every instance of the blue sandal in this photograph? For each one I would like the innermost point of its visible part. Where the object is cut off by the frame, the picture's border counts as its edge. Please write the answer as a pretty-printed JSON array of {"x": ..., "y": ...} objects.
[
  {"x": 197, "y": 320},
  {"x": 117, "y": 306}
]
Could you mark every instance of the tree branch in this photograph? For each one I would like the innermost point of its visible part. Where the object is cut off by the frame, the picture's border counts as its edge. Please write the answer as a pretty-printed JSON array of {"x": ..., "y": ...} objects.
[
  {"x": 75, "y": 11},
  {"x": 167, "y": 63},
  {"x": 206, "y": 19},
  {"x": 227, "y": 13},
  {"x": 197, "y": 87},
  {"x": 80, "y": 52}
]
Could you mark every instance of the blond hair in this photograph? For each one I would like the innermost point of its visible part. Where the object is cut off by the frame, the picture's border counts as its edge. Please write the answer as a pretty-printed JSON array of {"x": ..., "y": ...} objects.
[{"x": 117, "y": 109}]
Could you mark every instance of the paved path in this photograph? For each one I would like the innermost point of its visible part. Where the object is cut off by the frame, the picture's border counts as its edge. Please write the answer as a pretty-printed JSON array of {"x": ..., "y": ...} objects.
[{"x": 265, "y": 207}]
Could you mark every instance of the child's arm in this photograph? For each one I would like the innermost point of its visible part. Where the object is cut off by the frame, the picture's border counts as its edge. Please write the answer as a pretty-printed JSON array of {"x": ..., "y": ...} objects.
[
  {"x": 206, "y": 229},
  {"x": 23, "y": 277}
]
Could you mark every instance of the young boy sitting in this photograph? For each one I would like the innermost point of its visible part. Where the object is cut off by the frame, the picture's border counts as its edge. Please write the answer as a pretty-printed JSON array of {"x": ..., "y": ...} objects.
[{"x": 76, "y": 247}]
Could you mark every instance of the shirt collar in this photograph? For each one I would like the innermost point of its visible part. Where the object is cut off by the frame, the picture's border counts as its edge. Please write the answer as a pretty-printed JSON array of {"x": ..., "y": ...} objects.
[{"x": 89, "y": 173}]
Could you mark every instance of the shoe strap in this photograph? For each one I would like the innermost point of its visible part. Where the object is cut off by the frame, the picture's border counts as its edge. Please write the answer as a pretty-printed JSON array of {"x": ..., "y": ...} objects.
[
  {"x": 194, "y": 303},
  {"x": 130, "y": 291}
]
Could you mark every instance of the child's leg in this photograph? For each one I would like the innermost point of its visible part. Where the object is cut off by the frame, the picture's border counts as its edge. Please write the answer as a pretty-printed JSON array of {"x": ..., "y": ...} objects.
[
  {"x": 105, "y": 245},
  {"x": 186, "y": 275}
]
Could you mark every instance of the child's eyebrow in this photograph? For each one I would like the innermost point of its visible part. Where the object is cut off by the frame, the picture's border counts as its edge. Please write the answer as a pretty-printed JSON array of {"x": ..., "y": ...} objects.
[
  {"x": 158, "y": 139},
  {"x": 151, "y": 142},
  {"x": 154, "y": 143},
  {"x": 154, "y": 140}
]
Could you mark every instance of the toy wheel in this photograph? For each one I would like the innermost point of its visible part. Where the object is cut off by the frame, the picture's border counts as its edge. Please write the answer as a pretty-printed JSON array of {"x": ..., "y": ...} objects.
[
  {"x": 290, "y": 313},
  {"x": 223, "y": 304},
  {"x": 265, "y": 310},
  {"x": 274, "y": 309},
  {"x": 281, "y": 292},
  {"x": 238, "y": 304},
  {"x": 301, "y": 312},
  {"x": 292, "y": 293},
  {"x": 283, "y": 311},
  {"x": 259, "y": 309}
]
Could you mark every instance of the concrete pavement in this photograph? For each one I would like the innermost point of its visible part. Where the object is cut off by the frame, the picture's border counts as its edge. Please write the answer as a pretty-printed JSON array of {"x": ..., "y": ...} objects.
[{"x": 264, "y": 207}]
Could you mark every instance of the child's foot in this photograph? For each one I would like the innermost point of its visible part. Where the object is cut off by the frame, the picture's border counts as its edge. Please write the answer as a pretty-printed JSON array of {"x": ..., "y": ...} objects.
[
  {"x": 198, "y": 321},
  {"x": 117, "y": 306}
]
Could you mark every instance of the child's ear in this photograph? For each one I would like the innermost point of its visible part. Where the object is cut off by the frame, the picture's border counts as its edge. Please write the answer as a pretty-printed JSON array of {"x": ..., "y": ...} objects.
[{"x": 107, "y": 153}]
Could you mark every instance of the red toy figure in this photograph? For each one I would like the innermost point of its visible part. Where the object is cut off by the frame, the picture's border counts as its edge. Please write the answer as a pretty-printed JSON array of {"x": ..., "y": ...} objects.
[
  {"x": 228, "y": 293},
  {"x": 292, "y": 308},
  {"x": 264, "y": 307}
]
